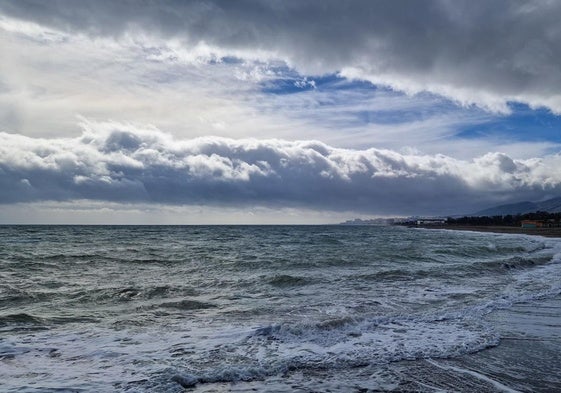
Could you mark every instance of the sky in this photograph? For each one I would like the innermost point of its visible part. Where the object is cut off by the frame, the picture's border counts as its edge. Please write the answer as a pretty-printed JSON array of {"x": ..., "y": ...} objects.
[{"x": 275, "y": 112}]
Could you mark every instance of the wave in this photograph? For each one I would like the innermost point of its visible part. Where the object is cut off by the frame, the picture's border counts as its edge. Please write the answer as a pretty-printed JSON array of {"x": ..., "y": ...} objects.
[
  {"x": 126, "y": 294},
  {"x": 28, "y": 321},
  {"x": 187, "y": 305},
  {"x": 335, "y": 344},
  {"x": 394, "y": 275},
  {"x": 539, "y": 257},
  {"x": 514, "y": 262},
  {"x": 12, "y": 296},
  {"x": 285, "y": 280},
  {"x": 20, "y": 319}
]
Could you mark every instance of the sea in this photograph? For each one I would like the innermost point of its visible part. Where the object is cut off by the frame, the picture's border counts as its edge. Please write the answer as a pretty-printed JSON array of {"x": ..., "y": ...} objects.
[{"x": 277, "y": 309}]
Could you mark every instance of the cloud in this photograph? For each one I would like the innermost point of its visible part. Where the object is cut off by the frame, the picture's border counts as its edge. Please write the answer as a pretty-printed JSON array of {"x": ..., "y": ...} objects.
[
  {"x": 125, "y": 163},
  {"x": 48, "y": 76},
  {"x": 487, "y": 55}
]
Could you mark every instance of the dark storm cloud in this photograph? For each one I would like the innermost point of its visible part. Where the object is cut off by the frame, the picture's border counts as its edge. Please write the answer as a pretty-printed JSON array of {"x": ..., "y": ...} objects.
[
  {"x": 486, "y": 53},
  {"x": 116, "y": 162}
]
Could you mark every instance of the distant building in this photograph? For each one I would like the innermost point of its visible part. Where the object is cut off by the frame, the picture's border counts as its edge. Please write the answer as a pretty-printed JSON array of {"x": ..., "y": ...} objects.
[
  {"x": 431, "y": 221},
  {"x": 373, "y": 221},
  {"x": 552, "y": 223},
  {"x": 532, "y": 223}
]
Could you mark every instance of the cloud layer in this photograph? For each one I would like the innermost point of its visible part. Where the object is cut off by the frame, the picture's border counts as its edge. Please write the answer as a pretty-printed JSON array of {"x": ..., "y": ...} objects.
[
  {"x": 123, "y": 163},
  {"x": 489, "y": 54}
]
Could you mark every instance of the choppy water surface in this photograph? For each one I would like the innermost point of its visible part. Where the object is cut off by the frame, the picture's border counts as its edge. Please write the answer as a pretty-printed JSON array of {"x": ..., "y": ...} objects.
[{"x": 282, "y": 308}]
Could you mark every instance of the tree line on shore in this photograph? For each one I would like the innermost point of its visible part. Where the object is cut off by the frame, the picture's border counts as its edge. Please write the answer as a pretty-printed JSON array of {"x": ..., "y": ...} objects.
[{"x": 506, "y": 220}]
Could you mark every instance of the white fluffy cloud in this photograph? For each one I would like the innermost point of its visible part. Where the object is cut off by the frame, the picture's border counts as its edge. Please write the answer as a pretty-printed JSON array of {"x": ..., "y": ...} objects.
[{"x": 124, "y": 163}]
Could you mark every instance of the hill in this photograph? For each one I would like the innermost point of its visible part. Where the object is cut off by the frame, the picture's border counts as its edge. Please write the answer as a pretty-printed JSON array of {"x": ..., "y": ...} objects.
[{"x": 551, "y": 206}]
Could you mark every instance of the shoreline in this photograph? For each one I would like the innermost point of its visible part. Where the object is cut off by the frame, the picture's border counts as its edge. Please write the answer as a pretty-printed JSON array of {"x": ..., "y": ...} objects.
[{"x": 546, "y": 232}]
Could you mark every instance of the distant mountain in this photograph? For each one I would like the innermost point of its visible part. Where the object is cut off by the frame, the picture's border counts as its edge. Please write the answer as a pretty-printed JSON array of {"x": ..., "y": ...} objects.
[
  {"x": 512, "y": 208},
  {"x": 551, "y": 205}
]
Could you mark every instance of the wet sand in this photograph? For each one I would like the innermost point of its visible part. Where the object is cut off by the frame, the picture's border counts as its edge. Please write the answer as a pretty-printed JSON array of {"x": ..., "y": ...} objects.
[
  {"x": 526, "y": 360},
  {"x": 547, "y": 232}
]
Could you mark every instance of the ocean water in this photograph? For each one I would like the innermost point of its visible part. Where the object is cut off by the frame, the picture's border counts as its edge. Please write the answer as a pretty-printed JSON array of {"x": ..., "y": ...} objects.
[{"x": 277, "y": 308}]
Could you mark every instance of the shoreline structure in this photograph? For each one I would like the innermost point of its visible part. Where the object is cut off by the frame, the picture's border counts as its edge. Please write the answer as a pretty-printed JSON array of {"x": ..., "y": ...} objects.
[{"x": 546, "y": 232}]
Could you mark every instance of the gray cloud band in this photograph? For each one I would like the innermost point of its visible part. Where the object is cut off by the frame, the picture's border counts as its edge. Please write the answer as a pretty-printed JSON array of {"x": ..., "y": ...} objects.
[
  {"x": 118, "y": 162},
  {"x": 485, "y": 54}
]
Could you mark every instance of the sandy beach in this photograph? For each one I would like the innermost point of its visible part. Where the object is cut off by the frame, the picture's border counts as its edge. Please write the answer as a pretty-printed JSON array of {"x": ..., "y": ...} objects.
[{"x": 547, "y": 232}]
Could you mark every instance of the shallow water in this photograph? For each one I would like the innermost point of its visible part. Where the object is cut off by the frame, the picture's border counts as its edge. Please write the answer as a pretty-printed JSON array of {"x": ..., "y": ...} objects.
[{"x": 149, "y": 308}]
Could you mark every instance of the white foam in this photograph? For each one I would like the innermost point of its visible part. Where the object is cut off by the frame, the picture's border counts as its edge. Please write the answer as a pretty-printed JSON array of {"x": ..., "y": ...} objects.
[{"x": 340, "y": 345}]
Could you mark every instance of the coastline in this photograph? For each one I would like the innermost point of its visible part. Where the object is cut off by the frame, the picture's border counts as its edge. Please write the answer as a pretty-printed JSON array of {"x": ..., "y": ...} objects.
[{"x": 546, "y": 232}]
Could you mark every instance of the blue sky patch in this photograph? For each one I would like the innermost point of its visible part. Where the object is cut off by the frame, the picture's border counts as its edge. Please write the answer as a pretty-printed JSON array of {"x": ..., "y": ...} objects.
[{"x": 523, "y": 124}]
